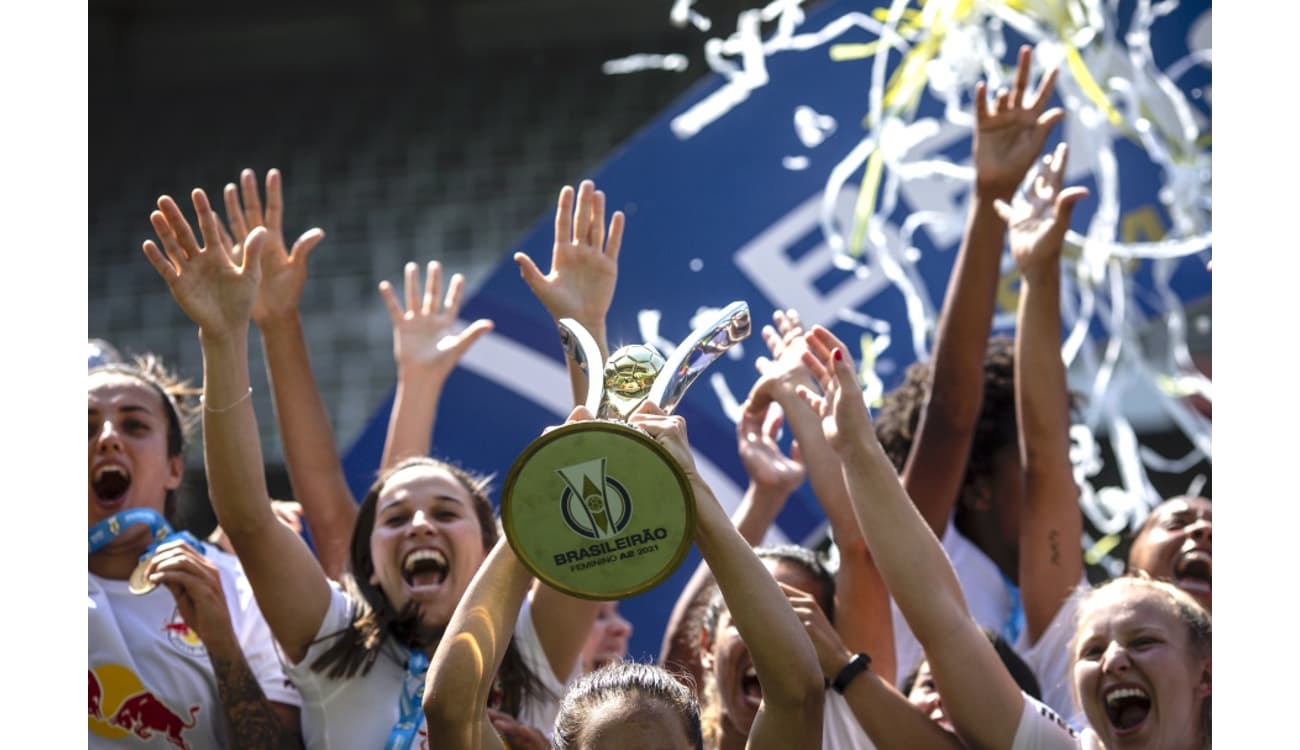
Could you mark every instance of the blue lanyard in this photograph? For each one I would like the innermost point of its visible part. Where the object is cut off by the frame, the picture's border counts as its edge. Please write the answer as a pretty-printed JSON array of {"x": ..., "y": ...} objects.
[
  {"x": 411, "y": 707},
  {"x": 1016, "y": 617},
  {"x": 112, "y": 527}
]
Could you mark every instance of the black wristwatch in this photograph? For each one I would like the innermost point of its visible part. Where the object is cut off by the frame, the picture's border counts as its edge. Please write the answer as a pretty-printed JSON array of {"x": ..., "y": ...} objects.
[{"x": 856, "y": 666}]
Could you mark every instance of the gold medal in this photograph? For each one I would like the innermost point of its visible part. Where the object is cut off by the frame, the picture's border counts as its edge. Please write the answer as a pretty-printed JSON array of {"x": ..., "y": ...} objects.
[{"x": 139, "y": 583}]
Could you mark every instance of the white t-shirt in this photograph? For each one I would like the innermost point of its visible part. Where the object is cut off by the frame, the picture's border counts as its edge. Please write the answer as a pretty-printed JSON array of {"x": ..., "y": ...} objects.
[
  {"x": 1050, "y": 657},
  {"x": 151, "y": 682},
  {"x": 360, "y": 712},
  {"x": 990, "y": 601},
  {"x": 840, "y": 728},
  {"x": 1040, "y": 728}
]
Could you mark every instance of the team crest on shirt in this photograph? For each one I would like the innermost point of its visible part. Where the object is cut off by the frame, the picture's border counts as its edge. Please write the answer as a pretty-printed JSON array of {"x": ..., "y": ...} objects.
[{"x": 182, "y": 637}]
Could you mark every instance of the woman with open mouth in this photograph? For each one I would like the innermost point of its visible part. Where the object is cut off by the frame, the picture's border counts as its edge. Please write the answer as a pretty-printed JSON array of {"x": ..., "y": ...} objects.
[
  {"x": 359, "y": 651},
  {"x": 1141, "y": 662},
  {"x": 625, "y": 705},
  {"x": 175, "y": 650}
]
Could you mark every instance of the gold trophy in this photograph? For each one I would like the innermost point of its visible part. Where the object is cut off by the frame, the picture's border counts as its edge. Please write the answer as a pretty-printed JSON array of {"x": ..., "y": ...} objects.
[{"x": 598, "y": 509}]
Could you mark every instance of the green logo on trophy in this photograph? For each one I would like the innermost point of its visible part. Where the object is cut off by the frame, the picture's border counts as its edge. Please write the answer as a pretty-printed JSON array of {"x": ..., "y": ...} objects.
[{"x": 598, "y": 509}]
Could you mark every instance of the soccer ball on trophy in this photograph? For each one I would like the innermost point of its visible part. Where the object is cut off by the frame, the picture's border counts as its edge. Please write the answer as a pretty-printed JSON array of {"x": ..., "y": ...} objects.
[{"x": 629, "y": 373}]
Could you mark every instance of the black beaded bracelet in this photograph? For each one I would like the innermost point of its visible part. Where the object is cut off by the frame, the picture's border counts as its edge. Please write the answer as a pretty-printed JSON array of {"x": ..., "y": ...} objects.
[{"x": 856, "y": 666}]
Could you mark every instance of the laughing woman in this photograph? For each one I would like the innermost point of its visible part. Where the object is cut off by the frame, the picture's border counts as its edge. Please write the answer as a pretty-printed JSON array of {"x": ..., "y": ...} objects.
[
  {"x": 626, "y": 705},
  {"x": 357, "y": 652}
]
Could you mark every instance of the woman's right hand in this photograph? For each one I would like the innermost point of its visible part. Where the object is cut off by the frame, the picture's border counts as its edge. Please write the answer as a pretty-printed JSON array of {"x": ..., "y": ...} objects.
[
  {"x": 215, "y": 291},
  {"x": 424, "y": 340}
]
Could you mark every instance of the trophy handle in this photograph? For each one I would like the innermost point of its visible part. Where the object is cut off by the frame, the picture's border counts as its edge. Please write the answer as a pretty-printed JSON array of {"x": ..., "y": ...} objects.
[
  {"x": 697, "y": 352},
  {"x": 580, "y": 345}
]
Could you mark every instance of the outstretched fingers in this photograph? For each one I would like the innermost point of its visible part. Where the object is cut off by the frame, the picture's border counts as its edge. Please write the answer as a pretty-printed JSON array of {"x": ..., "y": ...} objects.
[
  {"x": 234, "y": 212},
  {"x": 160, "y": 262},
  {"x": 180, "y": 228},
  {"x": 1021, "y": 85},
  {"x": 274, "y": 201},
  {"x": 208, "y": 222},
  {"x": 596, "y": 234},
  {"x": 614, "y": 242},
  {"x": 563, "y": 217},
  {"x": 432, "y": 288},
  {"x": 252, "y": 201},
  {"x": 455, "y": 291},
  {"x": 411, "y": 284},
  {"x": 582, "y": 221},
  {"x": 395, "y": 311}
]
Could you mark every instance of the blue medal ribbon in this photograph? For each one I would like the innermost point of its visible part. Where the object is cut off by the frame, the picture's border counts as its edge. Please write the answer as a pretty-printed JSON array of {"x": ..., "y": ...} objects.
[
  {"x": 112, "y": 527},
  {"x": 1015, "y": 621},
  {"x": 411, "y": 709}
]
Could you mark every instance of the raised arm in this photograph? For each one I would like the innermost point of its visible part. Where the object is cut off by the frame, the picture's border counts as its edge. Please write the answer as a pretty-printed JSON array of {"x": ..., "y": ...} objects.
[
  {"x": 470, "y": 652},
  {"x": 791, "y": 712},
  {"x": 772, "y": 477},
  {"x": 978, "y": 693},
  {"x": 1051, "y": 562},
  {"x": 580, "y": 285},
  {"x": 859, "y": 589},
  {"x": 1008, "y": 138},
  {"x": 310, "y": 454},
  {"x": 584, "y": 270},
  {"x": 888, "y": 718},
  {"x": 426, "y": 349},
  {"x": 218, "y": 293}
]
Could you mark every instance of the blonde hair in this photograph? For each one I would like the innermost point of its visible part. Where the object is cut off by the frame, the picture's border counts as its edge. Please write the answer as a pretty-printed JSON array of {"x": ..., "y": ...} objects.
[{"x": 1188, "y": 611}]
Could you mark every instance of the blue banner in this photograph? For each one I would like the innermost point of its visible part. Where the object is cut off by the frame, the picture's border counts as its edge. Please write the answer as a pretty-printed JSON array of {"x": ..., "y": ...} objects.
[{"x": 827, "y": 172}]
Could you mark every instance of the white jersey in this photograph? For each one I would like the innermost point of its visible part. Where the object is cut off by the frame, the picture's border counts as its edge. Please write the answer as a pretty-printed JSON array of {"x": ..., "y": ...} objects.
[
  {"x": 360, "y": 712},
  {"x": 1040, "y": 728},
  {"x": 992, "y": 603},
  {"x": 151, "y": 682},
  {"x": 1050, "y": 657},
  {"x": 840, "y": 728}
]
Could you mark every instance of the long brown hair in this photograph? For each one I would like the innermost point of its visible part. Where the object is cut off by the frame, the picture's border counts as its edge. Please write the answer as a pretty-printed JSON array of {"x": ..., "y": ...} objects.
[{"x": 377, "y": 626}]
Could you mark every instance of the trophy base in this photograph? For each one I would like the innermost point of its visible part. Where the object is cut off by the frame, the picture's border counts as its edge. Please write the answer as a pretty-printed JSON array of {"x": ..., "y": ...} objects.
[{"x": 598, "y": 510}]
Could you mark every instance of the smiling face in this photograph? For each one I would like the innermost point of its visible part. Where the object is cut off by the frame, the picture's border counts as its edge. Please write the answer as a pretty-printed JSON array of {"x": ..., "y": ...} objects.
[
  {"x": 1138, "y": 677},
  {"x": 127, "y": 452},
  {"x": 739, "y": 691},
  {"x": 427, "y": 541},
  {"x": 607, "y": 642},
  {"x": 925, "y": 695},
  {"x": 1176, "y": 545}
]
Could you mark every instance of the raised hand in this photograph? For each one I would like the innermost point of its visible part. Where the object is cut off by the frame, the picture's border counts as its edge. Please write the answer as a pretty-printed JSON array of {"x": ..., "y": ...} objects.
[
  {"x": 584, "y": 262},
  {"x": 785, "y": 369},
  {"x": 423, "y": 334},
  {"x": 1037, "y": 224},
  {"x": 195, "y": 582},
  {"x": 764, "y": 462},
  {"x": 284, "y": 272},
  {"x": 832, "y": 654},
  {"x": 215, "y": 289},
  {"x": 1009, "y": 134},
  {"x": 843, "y": 409},
  {"x": 667, "y": 430}
]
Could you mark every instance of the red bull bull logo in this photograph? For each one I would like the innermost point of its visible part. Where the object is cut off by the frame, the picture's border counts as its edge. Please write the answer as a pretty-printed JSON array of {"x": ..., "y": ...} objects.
[
  {"x": 182, "y": 637},
  {"x": 120, "y": 707}
]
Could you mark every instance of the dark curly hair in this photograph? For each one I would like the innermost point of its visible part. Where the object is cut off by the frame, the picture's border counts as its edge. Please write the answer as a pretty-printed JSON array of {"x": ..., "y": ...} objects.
[{"x": 900, "y": 412}]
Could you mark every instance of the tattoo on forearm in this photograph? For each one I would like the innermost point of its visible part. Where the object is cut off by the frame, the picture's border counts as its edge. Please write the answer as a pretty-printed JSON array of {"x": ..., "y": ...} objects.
[
  {"x": 1054, "y": 539},
  {"x": 252, "y": 721}
]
